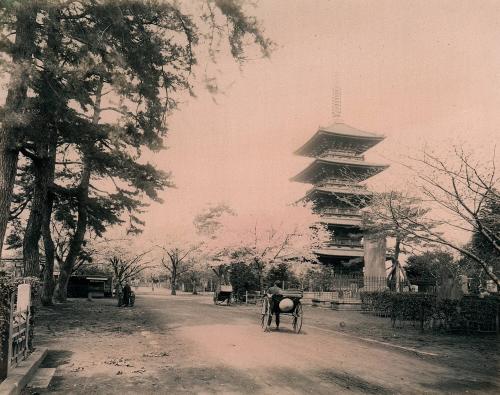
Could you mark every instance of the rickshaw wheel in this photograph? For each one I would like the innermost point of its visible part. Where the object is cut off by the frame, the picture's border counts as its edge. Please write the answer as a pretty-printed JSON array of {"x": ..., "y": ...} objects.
[
  {"x": 297, "y": 318},
  {"x": 266, "y": 314}
]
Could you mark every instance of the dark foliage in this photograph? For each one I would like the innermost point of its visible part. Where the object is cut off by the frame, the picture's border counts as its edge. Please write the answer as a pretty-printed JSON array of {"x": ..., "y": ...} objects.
[
  {"x": 243, "y": 279},
  {"x": 426, "y": 310},
  {"x": 282, "y": 273}
]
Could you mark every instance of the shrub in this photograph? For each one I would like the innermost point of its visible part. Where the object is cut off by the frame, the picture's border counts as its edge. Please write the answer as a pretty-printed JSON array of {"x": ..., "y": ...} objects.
[
  {"x": 480, "y": 314},
  {"x": 469, "y": 313},
  {"x": 282, "y": 273},
  {"x": 243, "y": 279},
  {"x": 378, "y": 302}
]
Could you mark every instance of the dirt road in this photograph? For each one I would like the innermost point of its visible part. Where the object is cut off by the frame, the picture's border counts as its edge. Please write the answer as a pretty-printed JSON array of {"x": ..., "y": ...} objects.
[{"x": 186, "y": 345}]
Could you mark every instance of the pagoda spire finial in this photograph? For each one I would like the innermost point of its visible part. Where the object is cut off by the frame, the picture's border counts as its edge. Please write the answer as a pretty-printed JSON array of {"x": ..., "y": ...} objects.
[{"x": 336, "y": 100}]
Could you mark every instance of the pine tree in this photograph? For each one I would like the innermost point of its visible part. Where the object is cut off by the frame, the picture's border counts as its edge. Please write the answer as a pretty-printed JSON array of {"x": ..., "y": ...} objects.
[
  {"x": 142, "y": 54},
  {"x": 21, "y": 19}
]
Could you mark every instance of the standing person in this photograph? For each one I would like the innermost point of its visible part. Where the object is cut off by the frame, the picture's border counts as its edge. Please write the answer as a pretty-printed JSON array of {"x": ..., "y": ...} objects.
[
  {"x": 126, "y": 294},
  {"x": 275, "y": 293}
]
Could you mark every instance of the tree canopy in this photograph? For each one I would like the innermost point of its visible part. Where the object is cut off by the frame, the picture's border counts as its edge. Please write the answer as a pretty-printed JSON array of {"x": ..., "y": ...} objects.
[{"x": 91, "y": 86}]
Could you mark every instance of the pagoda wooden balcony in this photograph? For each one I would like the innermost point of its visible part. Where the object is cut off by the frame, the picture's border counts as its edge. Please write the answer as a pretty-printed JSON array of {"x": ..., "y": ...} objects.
[
  {"x": 341, "y": 155},
  {"x": 341, "y": 247},
  {"x": 347, "y": 188},
  {"x": 345, "y": 222},
  {"x": 344, "y": 242},
  {"x": 334, "y": 191},
  {"x": 347, "y": 212},
  {"x": 324, "y": 170}
]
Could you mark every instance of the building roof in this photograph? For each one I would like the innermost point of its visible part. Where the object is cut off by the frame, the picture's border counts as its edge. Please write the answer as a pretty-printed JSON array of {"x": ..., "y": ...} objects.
[
  {"x": 328, "y": 137},
  {"x": 341, "y": 128},
  {"x": 335, "y": 168},
  {"x": 96, "y": 278}
]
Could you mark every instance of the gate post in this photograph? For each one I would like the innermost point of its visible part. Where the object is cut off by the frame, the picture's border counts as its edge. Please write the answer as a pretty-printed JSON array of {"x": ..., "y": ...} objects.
[
  {"x": 28, "y": 334},
  {"x": 4, "y": 351},
  {"x": 497, "y": 320},
  {"x": 11, "y": 322},
  {"x": 6, "y": 342}
]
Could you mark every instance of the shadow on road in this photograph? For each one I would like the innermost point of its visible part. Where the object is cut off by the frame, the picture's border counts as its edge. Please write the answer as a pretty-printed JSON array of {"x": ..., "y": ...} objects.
[{"x": 56, "y": 358}]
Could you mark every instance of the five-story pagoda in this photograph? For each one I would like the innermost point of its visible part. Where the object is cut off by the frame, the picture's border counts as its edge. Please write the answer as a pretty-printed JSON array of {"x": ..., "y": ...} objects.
[{"x": 337, "y": 195}]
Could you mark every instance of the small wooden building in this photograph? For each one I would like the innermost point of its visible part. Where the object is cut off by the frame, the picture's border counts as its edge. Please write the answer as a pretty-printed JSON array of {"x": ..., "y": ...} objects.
[{"x": 81, "y": 286}]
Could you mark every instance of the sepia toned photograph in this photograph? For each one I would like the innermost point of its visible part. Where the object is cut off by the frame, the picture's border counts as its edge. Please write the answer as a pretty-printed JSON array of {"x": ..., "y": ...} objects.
[{"x": 249, "y": 197}]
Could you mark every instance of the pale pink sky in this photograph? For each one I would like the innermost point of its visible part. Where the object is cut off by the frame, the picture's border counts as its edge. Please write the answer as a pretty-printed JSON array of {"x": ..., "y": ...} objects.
[
  {"x": 415, "y": 71},
  {"x": 418, "y": 72}
]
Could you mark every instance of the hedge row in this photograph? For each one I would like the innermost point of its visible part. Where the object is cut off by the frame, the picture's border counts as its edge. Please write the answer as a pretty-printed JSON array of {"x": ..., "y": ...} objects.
[{"x": 469, "y": 313}]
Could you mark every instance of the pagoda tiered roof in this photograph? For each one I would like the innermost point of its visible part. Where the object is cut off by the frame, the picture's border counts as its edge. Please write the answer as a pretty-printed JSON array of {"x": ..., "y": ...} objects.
[
  {"x": 338, "y": 167},
  {"x": 333, "y": 191},
  {"x": 324, "y": 169},
  {"x": 339, "y": 137}
]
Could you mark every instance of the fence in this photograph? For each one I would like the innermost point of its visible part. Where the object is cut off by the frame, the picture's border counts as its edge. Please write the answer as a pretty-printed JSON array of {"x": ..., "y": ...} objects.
[
  {"x": 16, "y": 332},
  {"x": 19, "y": 334},
  {"x": 350, "y": 286},
  {"x": 342, "y": 288},
  {"x": 252, "y": 297}
]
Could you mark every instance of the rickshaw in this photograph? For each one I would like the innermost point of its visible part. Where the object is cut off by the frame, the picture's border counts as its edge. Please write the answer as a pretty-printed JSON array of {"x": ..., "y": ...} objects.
[
  {"x": 222, "y": 294},
  {"x": 293, "y": 309}
]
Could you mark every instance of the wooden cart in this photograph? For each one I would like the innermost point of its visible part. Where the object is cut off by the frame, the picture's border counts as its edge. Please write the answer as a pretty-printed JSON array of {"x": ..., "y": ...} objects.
[
  {"x": 296, "y": 312},
  {"x": 224, "y": 293}
]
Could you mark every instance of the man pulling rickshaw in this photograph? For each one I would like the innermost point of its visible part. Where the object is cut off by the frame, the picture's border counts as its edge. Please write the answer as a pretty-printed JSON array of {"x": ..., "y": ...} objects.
[
  {"x": 277, "y": 302},
  {"x": 274, "y": 294}
]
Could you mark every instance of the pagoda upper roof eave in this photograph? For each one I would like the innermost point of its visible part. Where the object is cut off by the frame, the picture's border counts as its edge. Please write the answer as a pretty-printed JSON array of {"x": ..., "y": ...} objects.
[{"x": 339, "y": 130}]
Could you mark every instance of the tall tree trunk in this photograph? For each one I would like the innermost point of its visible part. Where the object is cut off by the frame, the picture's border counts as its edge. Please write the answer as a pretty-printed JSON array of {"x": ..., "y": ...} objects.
[
  {"x": 46, "y": 147},
  {"x": 260, "y": 273},
  {"x": 61, "y": 291},
  {"x": 76, "y": 242},
  {"x": 10, "y": 132},
  {"x": 31, "y": 253},
  {"x": 396, "y": 266},
  {"x": 48, "y": 273},
  {"x": 8, "y": 166},
  {"x": 48, "y": 284},
  {"x": 173, "y": 280}
]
